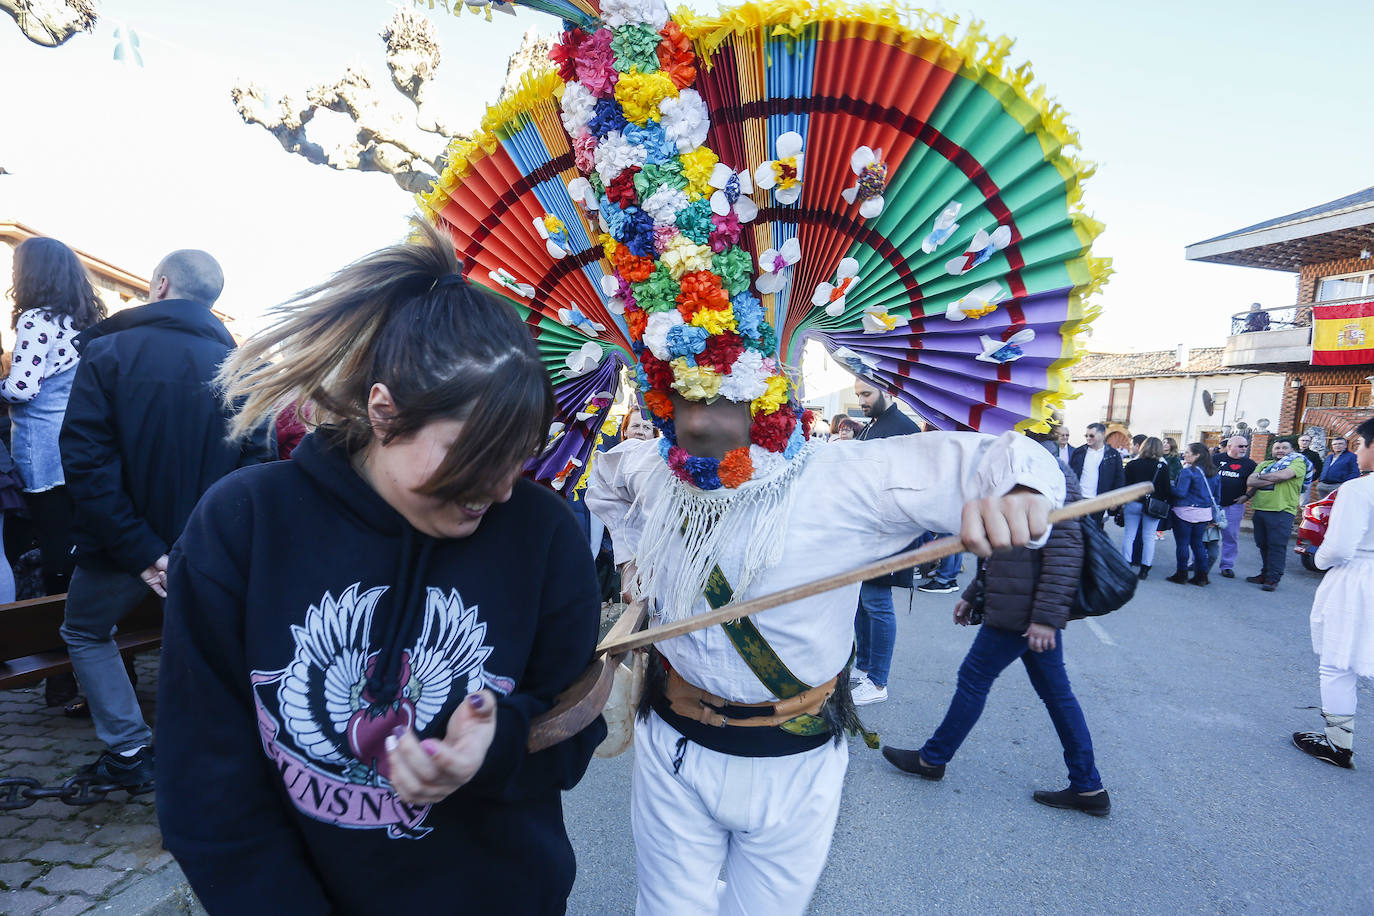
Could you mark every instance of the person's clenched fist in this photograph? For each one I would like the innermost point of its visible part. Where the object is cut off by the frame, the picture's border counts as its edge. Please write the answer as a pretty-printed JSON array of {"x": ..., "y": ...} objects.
[{"x": 1000, "y": 522}]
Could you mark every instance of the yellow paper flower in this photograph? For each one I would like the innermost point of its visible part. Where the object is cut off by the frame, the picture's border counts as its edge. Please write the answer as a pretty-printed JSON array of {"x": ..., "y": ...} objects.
[
  {"x": 608, "y": 244},
  {"x": 553, "y": 224},
  {"x": 715, "y": 321},
  {"x": 696, "y": 168},
  {"x": 683, "y": 256},
  {"x": 695, "y": 383},
  {"x": 773, "y": 398},
  {"x": 639, "y": 95}
]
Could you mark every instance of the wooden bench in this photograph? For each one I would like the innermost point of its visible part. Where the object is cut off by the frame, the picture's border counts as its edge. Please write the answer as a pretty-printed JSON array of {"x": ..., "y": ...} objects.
[{"x": 31, "y": 646}]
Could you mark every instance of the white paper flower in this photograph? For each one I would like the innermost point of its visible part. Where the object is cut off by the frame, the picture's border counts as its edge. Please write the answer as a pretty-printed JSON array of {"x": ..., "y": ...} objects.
[
  {"x": 685, "y": 121},
  {"x": 732, "y": 193},
  {"x": 561, "y": 478},
  {"x": 784, "y": 172},
  {"x": 870, "y": 181},
  {"x": 617, "y": 13},
  {"x": 980, "y": 250},
  {"x": 977, "y": 303},
  {"x": 1005, "y": 351},
  {"x": 774, "y": 264},
  {"x": 584, "y": 359},
  {"x": 573, "y": 318},
  {"x": 830, "y": 296},
  {"x": 665, "y": 204},
  {"x": 945, "y": 226},
  {"x": 611, "y": 287},
  {"x": 876, "y": 320},
  {"x": 507, "y": 282},
  {"x": 578, "y": 106},
  {"x": 746, "y": 380},
  {"x": 765, "y": 463},
  {"x": 580, "y": 190},
  {"x": 656, "y": 332},
  {"x": 550, "y": 229},
  {"x": 614, "y": 154}
]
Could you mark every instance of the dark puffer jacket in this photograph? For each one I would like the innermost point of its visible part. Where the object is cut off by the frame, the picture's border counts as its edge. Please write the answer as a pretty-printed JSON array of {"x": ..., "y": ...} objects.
[{"x": 1015, "y": 597}]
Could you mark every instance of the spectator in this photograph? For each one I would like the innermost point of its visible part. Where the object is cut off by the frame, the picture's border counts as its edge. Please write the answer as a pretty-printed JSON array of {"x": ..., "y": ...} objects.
[
  {"x": 1171, "y": 457},
  {"x": 1195, "y": 494},
  {"x": 875, "y": 621},
  {"x": 1342, "y": 466},
  {"x": 1025, "y": 599},
  {"x": 636, "y": 426},
  {"x": 1136, "y": 442},
  {"x": 410, "y": 500},
  {"x": 1234, "y": 467},
  {"x": 1275, "y": 491},
  {"x": 144, "y": 437},
  {"x": 53, "y": 301},
  {"x": 1147, "y": 467},
  {"x": 1257, "y": 320},
  {"x": 1061, "y": 441},
  {"x": 835, "y": 422},
  {"x": 1343, "y": 611},
  {"x": 12, "y": 499},
  {"x": 1314, "y": 465},
  {"x": 844, "y": 428},
  {"x": 1098, "y": 467}
]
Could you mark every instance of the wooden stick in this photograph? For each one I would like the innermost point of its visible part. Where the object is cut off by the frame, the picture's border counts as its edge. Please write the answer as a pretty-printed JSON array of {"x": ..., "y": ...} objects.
[{"x": 936, "y": 550}]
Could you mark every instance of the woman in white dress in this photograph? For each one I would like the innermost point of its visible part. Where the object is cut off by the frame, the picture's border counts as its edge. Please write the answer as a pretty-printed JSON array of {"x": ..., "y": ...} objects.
[{"x": 1343, "y": 611}]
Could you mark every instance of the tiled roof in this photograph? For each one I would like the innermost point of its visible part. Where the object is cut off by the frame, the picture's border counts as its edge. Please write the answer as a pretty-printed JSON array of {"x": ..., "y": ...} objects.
[{"x": 1151, "y": 364}]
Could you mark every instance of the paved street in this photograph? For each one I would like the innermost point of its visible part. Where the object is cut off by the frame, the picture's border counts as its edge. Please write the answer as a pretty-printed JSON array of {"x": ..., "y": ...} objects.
[{"x": 1191, "y": 695}]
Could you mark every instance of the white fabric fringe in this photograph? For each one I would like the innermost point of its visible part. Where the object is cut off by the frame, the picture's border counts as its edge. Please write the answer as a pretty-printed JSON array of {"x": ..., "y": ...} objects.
[{"x": 690, "y": 531}]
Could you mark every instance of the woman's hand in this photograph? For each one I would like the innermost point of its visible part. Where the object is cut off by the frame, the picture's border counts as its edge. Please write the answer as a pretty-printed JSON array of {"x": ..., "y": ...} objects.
[
  {"x": 1000, "y": 522},
  {"x": 961, "y": 611},
  {"x": 1040, "y": 637},
  {"x": 429, "y": 771}
]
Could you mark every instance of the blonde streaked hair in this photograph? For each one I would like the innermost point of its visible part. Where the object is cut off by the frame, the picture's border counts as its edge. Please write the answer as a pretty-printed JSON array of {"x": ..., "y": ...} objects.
[{"x": 445, "y": 349}]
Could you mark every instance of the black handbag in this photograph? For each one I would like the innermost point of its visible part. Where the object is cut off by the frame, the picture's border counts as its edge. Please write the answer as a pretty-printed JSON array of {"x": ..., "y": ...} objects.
[
  {"x": 1154, "y": 506},
  {"x": 1107, "y": 580}
]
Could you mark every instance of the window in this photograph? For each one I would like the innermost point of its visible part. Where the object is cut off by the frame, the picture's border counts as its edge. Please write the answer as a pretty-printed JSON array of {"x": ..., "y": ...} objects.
[
  {"x": 1328, "y": 397},
  {"x": 1345, "y": 286},
  {"x": 1119, "y": 404},
  {"x": 1219, "y": 400}
]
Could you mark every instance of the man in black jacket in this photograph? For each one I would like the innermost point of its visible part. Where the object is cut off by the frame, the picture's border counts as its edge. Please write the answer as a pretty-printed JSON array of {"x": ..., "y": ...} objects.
[
  {"x": 143, "y": 438},
  {"x": 1098, "y": 467}
]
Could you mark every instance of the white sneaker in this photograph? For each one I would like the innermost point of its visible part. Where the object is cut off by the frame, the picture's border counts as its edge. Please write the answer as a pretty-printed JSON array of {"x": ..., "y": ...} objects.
[
  {"x": 866, "y": 692},
  {"x": 856, "y": 676}
]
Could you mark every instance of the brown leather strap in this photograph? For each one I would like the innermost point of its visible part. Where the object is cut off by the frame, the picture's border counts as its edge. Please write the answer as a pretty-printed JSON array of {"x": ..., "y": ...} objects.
[{"x": 694, "y": 703}]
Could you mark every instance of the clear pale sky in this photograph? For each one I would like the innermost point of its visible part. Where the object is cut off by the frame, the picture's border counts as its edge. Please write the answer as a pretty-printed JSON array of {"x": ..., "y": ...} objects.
[{"x": 1203, "y": 118}]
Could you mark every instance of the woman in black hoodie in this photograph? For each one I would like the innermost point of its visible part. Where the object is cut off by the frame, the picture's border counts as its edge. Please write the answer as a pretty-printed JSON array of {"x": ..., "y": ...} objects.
[{"x": 357, "y": 640}]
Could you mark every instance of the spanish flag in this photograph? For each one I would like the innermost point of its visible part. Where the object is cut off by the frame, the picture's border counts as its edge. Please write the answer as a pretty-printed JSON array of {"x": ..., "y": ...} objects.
[{"x": 1343, "y": 335}]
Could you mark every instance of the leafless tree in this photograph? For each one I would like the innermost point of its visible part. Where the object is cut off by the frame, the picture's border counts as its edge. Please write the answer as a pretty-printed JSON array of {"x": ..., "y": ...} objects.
[
  {"x": 51, "y": 22},
  {"x": 404, "y": 140}
]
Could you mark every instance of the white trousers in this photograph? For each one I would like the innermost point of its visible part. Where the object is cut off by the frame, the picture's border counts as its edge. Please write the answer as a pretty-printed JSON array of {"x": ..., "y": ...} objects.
[
  {"x": 768, "y": 820},
  {"x": 1338, "y": 690}
]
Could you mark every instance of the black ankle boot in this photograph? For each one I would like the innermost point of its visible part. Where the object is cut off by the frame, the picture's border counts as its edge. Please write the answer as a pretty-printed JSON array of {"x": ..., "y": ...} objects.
[
  {"x": 1144, "y": 573},
  {"x": 1178, "y": 578},
  {"x": 1199, "y": 578}
]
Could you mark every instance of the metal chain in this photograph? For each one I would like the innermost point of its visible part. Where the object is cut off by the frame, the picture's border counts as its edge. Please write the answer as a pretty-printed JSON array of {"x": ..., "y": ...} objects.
[{"x": 21, "y": 791}]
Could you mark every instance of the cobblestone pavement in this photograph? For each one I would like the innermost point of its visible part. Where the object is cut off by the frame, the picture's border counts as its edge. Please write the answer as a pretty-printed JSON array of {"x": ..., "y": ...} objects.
[{"x": 60, "y": 860}]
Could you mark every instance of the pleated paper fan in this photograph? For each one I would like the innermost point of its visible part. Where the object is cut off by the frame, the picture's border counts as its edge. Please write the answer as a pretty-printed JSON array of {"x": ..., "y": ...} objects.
[{"x": 919, "y": 200}]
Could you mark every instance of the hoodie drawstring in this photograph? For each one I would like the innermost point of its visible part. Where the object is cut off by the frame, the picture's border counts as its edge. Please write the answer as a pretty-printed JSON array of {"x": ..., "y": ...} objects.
[{"x": 407, "y": 610}]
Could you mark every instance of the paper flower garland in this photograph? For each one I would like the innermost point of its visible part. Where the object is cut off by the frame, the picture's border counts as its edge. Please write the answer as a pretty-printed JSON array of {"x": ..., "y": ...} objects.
[
  {"x": 980, "y": 250},
  {"x": 983, "y": 300},
  {"x": 773, "y": 265},
  {"x": 945, "y": 226},
  {"x": 784, "y": 172},
  {"x": 830, "y": 296},
  {"x": 502, "y": 278},
  {"x": 870, "y": 181},
  {"x": 670, "y": 214}
]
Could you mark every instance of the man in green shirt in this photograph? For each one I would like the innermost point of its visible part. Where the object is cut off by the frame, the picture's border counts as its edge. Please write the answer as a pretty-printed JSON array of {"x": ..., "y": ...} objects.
[{"x": 1277, "y": 488}]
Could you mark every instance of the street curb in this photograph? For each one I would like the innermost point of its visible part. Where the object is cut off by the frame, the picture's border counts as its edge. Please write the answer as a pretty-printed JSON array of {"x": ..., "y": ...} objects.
[{"x": 164, "y": 893}]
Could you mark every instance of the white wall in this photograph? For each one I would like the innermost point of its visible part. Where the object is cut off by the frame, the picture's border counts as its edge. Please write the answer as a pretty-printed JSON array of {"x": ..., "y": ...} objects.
[{"x": 1173, "y": 406}]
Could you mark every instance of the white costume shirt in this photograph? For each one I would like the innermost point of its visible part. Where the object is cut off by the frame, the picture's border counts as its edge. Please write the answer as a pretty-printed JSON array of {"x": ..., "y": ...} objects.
[
  {"x": 852, "y": 503},
  {"x": 1092, "y": 463}
]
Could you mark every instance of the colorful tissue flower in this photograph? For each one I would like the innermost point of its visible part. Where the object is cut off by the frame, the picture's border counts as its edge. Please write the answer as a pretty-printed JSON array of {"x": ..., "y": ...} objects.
[
  {"x": 736, "y": 468},
  {"x": 694, "y": 220},
  {"x": 618, "y": 13},
  {"x": 735, "y": 268},
  {"x": 640, "y": 95},
  {"x": 685, "y": 121},
  {"x": 719, "y": 351},
  {"x": 564, "y": 53},
  {"x": 771, "y": 431},
  {"x": 785, "y": 172},
  {"x": 657, "y": 293},
  {"x": 596, "y": 64},
  {"x": 636, "y": 48},
  {"x": 654, "y": 176},
  {"x": 584, "y": 151},
  {"x": 657, "y": 330},
  {"x": 663, "y": 237},
  {"x": 675, "y": 56},
  {"x": 658, "y": 372},
  {"x": 715, "y": 321},
  {"x": 576, "y": 108},
  {"x": 747, "y": 379},
  {"x": 614, "y": 154},
  {"x": 773, "y": 398},
  {"x": 657, "y": 149},
  {"x": 636, "y": 320},
  {"x": 703, "y": 472},
  {"x": 694, "y": 382},
  {"x": 685, "y": 340},
  {"x": 748, "y": 313},
  {"x": 700, "y": 290},
  {"x": 774, "y": 264},
  {"x": 725, "y": 232},
  {"x": 639, "y": 232},
  {"x": 664, "y": 204},
  {"x": 621, "y": 189},
  {"x": 606, "y": 117},
  {"x": 684, "y": 256},
  {"x": 633, "y": 268},
  {"x": 659, "y": 404},
  {"x": 697, "y": 168}
]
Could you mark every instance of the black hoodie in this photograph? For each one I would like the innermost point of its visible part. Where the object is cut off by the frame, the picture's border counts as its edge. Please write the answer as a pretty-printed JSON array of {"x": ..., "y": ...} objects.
[
  {"x": 144, "y": 432},
  {"x": 305, "y": 620}
]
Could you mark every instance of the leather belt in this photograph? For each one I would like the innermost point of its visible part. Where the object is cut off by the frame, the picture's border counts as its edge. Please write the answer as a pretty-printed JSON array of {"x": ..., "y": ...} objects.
[{"x": 694, "y": 703}]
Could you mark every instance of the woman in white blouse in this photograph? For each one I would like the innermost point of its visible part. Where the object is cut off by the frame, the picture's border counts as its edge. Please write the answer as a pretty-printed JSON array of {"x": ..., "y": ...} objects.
[
  {"x": 53, "y": 301},
  {"x": 1343, "y": 611}
]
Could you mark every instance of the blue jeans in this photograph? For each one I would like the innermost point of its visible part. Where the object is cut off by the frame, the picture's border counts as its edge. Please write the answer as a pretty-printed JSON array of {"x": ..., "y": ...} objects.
[
  {"x": 1272, "y": 529},
  {"x": 948, "y": 568},
  {"x": 992, "y": 651},
  {"x": 97, "y": 600},
  {"x": 1189, "y": 536},
  {"x": 1138, "y": 521},
  {"x": 875, "y": 632}
]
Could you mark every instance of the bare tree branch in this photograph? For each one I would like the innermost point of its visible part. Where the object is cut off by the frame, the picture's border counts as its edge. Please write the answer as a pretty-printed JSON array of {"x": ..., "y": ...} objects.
[{"x": 51, "y": 22}]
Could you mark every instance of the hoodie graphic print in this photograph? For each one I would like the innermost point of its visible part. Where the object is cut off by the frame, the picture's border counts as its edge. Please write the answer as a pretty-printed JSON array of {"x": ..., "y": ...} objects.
[{"x": 324, "y": 728}]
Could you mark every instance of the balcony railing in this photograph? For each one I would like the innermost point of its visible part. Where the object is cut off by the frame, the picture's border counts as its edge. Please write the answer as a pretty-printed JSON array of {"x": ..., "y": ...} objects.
[{"x": 1282, "y": 317}]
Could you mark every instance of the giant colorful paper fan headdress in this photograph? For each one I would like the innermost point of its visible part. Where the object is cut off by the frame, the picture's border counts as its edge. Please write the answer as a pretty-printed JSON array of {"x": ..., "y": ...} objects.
[{"x": 695, "y": 196}]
